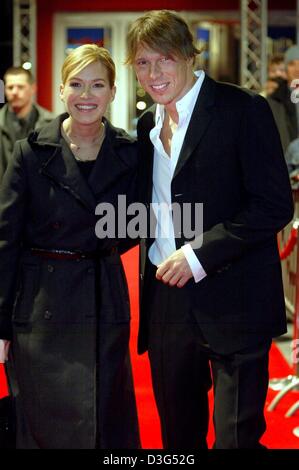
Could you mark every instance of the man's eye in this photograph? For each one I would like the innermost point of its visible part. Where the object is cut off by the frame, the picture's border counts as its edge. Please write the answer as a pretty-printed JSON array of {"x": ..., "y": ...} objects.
[
  {"x": 163, "y": 60},
  {"x": 140, "y": 63},
  {"x": 99, "y": 85}
]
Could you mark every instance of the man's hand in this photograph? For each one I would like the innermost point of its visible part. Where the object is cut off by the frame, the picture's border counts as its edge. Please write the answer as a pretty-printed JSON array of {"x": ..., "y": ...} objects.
[
  {"x": 175, "y": 270},
  {"x": 4, "y": 347}
]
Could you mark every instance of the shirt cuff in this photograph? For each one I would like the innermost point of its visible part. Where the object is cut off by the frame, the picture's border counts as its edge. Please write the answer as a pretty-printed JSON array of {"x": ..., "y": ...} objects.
[{"x": 195, "y": 266}]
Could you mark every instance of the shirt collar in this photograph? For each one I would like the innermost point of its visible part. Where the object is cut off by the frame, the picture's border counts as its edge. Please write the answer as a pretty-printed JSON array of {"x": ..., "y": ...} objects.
[{"x": 186, "y": 104}]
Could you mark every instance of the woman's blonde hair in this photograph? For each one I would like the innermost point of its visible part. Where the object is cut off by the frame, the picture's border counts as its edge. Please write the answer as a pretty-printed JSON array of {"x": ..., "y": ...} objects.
[{"x": 85, "y": 55}]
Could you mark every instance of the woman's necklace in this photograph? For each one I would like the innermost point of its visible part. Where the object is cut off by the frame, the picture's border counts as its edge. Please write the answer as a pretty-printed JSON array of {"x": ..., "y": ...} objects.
[{"x": 80, "y": 151}]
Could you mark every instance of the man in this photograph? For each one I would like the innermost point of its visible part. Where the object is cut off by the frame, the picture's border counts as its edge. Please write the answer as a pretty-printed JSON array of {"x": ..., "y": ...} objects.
[
  {"x": 218, "y": 300},
  {"x": 285, "y": 111},
  {"x": 20, "y": 115},
  {"x": 276, "y": 74}
]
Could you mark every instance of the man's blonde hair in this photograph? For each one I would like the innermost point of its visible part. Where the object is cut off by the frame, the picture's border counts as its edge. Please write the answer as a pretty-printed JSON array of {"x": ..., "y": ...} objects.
[{"x": 163, "y": 31}]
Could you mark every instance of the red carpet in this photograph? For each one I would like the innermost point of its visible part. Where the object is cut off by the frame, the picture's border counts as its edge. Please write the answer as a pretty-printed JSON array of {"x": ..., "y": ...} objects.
[{"x": 279, "y": 431}]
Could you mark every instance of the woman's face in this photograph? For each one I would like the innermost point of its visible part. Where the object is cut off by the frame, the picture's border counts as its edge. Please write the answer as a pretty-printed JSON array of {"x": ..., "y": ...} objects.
[{"x": 87, "y": 94}]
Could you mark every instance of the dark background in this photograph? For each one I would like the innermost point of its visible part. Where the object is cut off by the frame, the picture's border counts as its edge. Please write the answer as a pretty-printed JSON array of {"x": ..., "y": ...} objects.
[{"x": 6, "y": 50}]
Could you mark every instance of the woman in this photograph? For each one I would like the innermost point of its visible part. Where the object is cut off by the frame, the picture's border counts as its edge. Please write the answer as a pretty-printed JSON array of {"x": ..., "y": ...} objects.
[{"x": 63, "y": 294}]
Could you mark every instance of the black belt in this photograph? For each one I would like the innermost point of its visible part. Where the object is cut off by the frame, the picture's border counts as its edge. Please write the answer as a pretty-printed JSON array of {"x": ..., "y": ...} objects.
[{"x": 71, "y": 255}]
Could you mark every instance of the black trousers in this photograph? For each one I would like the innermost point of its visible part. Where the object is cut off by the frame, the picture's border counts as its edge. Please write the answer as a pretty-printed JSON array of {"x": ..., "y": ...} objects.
[{"x": 183, "y": 367}]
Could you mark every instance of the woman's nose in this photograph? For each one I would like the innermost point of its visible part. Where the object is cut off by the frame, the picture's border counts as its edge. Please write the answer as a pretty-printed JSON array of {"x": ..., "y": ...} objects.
[{"x": 85, "y": 91}]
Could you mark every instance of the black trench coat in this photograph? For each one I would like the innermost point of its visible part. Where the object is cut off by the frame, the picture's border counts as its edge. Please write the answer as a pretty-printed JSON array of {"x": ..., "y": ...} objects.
[{"x": 69, "y": 320}]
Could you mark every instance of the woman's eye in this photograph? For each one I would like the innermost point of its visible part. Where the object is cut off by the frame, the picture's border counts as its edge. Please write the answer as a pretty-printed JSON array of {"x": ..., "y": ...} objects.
[{"x": 75, "y": 84}]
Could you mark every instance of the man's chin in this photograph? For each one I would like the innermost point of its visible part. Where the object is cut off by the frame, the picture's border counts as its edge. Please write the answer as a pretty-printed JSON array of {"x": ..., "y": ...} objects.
[
  {"x": 161, "y": 99},
  {"x": 16, "y": 106}
]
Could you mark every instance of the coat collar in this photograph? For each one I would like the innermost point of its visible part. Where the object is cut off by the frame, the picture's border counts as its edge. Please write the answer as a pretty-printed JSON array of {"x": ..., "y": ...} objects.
[
  {"x": 58, "y": 163},
  {"x": 199, "y": 122},
  {"x": 43, "y": 114}
]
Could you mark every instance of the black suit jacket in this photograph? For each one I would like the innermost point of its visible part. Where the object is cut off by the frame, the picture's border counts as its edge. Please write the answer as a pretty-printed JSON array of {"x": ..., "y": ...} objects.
[{"x": 232, "y": 162}]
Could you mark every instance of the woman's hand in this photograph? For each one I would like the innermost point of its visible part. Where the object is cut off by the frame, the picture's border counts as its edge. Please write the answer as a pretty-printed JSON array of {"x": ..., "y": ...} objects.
[{"x": 4, "y": 347}]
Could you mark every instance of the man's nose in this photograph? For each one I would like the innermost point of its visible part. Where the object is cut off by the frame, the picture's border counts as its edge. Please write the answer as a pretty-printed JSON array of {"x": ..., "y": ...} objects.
[{"x": 155, "y": 70}]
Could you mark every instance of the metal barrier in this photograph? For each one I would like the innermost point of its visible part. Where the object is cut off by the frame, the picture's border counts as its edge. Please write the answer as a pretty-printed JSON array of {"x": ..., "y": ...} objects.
[{"x": 288, "y": 241}]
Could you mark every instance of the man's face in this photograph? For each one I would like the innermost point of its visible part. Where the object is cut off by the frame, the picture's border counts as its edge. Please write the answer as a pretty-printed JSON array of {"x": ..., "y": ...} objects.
[
  {"x": 293, "y": 70},
  {"x": 19, "y": 93},
  {"x": 277, "y": 70},
  {"x": 165, "y": 78}
]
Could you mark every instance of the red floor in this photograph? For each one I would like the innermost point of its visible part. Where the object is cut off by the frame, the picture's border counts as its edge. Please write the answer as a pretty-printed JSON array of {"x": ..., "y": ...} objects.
[{"x": 279, "y": 433}]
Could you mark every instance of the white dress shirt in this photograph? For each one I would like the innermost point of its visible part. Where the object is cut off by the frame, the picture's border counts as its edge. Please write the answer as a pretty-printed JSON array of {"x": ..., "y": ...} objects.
[{"x": 163, "y": 171}]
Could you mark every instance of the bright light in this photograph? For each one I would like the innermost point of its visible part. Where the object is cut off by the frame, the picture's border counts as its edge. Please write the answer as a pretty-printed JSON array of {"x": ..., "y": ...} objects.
[
  {"x": 141, "y": 105},
  {"x": 27, "y": 65}
]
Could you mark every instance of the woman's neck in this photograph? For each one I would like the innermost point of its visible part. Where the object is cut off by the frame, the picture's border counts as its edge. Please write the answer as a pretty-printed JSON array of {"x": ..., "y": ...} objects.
[{"x": 83, "y": 133}]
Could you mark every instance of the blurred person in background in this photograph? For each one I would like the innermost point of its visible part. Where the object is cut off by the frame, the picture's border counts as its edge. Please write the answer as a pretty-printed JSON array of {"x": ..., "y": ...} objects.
[
  {"x": 285, "y": 110},
  {"x": 276, "y": 74},
  {"x": 20, "y": 114}
]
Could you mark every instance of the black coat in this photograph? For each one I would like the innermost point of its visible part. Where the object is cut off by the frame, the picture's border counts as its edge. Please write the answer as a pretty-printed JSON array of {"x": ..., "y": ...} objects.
[
  {"x": 285, "y": 113},
  {"x": 232, "y": 162},
  {"x": 69, "y": 318},
  {"x": 6, "y": 136}
]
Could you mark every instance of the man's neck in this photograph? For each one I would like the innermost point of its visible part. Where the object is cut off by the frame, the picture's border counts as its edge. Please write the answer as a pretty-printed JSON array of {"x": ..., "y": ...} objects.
[
  {"x": 172, "y": 113},
  {"x": 171, "y": 108},
  {"x": 21, "y": 112}
]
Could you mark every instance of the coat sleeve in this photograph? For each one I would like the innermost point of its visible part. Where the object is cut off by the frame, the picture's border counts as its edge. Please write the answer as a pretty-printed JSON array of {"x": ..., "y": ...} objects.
[
  {"x": 125, "y": 244},
  {"x": 269, "y": 204},
  {"x": 13, "y": 195}
]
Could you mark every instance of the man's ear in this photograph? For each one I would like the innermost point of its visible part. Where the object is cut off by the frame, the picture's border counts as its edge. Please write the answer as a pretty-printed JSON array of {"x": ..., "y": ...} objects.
[{"x": 33, "y": 88}]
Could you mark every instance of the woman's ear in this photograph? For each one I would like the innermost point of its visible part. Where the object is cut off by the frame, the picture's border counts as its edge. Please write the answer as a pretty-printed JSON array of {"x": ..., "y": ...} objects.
[
  {"x": 113, "y": 91},
  {"x": 61, "y": 90}
]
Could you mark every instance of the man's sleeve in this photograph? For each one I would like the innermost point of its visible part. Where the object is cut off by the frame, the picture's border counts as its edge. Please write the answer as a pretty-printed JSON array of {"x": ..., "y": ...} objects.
[{"x": 269, "y": 203}]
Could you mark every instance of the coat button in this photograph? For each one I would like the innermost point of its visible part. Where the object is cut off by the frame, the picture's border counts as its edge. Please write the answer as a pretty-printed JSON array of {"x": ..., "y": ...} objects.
[
  {"x": 90, "y": 270},
  {"x": 48, "y": 315},
  {"x": 50, "y": 268}
]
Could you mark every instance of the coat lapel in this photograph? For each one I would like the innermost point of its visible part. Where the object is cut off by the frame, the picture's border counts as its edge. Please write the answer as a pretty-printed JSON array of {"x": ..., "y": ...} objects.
[
  {"x": 110, "y": 164},
  {"x": 146, "y": 151},
  {"x": 200, "y": 120},
  {"x": 58, "y": 163},
  {"x": 64, "y": 170}
]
